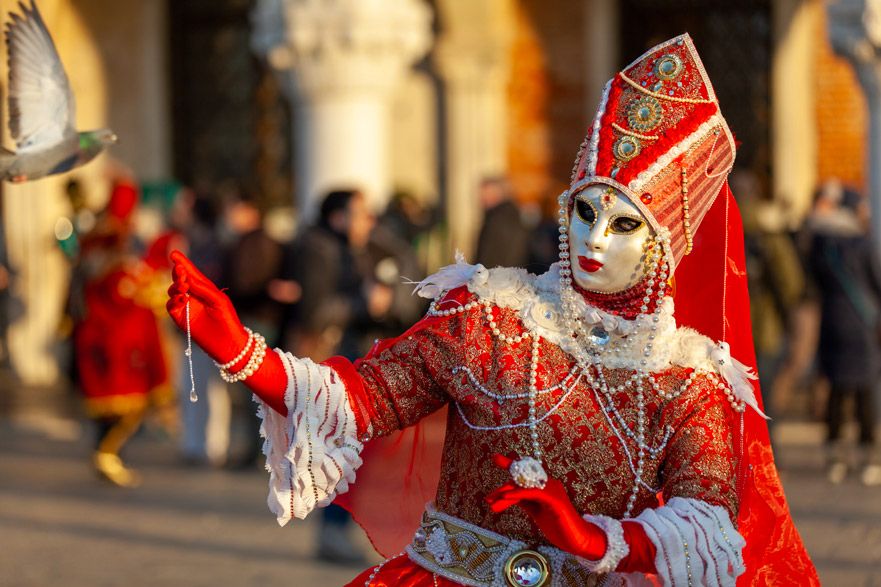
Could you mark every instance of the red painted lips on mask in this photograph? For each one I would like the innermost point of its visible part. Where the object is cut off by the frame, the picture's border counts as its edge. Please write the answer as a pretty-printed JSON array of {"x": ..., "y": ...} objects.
[{"x": 589, "y": 265}]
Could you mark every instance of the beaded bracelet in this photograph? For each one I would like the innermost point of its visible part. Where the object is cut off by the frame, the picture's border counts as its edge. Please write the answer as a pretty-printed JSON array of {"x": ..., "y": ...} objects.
[
  {"x": 254, "y": 362},
  {"x": 242, "y": 354}
]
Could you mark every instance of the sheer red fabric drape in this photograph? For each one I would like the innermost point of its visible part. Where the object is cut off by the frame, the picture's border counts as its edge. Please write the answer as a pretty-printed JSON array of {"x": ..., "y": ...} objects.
[{"x": 710, "y": 292}]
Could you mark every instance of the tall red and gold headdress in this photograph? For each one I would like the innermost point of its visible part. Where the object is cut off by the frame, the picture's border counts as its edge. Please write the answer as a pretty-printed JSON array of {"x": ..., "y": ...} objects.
[{"x": 659, "y": 137}]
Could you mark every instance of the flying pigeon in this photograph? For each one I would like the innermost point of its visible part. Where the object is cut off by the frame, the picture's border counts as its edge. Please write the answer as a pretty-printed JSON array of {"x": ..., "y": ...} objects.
[{"x": 42, "y": 109}]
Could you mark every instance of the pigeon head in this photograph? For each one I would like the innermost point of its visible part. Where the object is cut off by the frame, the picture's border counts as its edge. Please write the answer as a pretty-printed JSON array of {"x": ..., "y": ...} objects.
[
  {"x": 105, "y": 137},
  {"x": 94, "y": 141}
]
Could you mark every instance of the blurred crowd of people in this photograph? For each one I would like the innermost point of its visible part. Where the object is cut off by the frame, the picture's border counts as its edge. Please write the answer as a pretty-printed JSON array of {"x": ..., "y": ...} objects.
[{"x": 816, "y": 296}]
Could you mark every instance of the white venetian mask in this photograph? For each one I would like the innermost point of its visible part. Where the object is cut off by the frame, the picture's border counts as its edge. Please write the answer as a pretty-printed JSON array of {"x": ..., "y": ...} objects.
[{"x": 608, "y": 239}]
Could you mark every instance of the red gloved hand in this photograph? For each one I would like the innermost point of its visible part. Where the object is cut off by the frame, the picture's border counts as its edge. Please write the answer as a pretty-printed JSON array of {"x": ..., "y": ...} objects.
[
  {"x": 216, "y": 328},
  {"x": 213, "y": 320},
  {"x": 553, "y": 512},
  {"x": 559, "y": 521}
]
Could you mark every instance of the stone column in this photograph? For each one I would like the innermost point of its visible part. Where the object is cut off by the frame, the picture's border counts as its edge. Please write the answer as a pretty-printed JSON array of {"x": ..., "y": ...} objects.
[
  {"x": 855, "y": 33},
  {"x": 601, "y": 54},
  {"x": 473, "y": 58},
  {"x": 30, "y": 210},
  {"x": 792, "y": 102},
  {"x": 340, "y": 60}
]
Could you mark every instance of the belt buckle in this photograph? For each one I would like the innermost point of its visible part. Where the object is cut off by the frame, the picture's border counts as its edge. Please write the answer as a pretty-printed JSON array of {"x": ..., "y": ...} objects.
[{"x": 527, "y": 568}]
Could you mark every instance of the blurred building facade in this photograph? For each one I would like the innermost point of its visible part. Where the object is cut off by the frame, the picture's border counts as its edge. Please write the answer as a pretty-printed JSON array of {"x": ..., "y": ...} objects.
[{"x": 297, "y": 97}]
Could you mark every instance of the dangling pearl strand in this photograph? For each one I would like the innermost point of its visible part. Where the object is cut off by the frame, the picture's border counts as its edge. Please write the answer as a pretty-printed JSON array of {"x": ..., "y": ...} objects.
[
  {"x": 533, "y": 392},
  {"x": 566, "y": 385},
  {"x": 189, "y": 354}
]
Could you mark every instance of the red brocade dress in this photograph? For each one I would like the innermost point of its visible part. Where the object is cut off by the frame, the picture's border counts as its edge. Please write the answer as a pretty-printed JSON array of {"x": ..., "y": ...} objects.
[{"x": 474, "y": 352}]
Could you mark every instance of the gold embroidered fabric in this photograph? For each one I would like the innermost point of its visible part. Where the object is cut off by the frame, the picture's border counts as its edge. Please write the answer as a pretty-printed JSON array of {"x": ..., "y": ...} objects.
[{"x": 423, "y": 370}]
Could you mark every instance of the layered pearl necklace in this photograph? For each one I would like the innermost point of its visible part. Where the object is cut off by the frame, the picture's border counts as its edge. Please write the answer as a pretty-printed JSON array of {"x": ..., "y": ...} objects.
[
  {"x": 566, "y": 385},
  {"x": 593, "y": 345}
]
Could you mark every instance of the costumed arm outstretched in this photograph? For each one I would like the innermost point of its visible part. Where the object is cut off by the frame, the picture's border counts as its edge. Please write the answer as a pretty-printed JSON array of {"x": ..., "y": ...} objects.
[{"x": 315, "y": 415}]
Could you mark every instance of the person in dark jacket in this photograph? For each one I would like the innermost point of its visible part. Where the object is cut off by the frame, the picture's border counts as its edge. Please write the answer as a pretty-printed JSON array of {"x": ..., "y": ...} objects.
[
  {"x": 504, "y": 238},
  {"x": 341, "y": 302},
  {"x": 251, "y": 262},
  {"x": 339, "y": 299},
  {"x": 845, "y": 269}
]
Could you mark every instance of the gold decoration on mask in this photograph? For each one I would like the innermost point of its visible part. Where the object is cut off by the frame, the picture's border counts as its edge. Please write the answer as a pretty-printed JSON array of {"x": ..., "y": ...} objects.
[{"x": 608, "y": 199}]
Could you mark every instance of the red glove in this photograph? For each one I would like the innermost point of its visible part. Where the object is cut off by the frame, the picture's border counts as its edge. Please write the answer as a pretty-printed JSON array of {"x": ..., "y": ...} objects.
[
  {"x": 563, "y": 526},
  {"x": 553, "y": 512},
  {"x": 216, "y": 328}
]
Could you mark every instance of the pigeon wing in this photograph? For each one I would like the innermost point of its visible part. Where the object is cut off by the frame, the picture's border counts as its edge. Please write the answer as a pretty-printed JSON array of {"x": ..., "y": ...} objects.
[{"x": 42, "y": 110}]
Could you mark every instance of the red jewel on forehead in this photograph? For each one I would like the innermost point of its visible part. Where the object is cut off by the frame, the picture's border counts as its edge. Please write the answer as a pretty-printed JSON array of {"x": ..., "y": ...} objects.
[
  {"x": 608, "y": 199},
  {"x": 646, "y": 198}
]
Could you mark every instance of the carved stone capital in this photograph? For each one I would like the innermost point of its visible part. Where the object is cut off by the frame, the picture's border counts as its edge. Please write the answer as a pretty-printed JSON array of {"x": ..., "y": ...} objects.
[
  {"x": 474, "y": 47},
  {"x": 333, "y": 46}
]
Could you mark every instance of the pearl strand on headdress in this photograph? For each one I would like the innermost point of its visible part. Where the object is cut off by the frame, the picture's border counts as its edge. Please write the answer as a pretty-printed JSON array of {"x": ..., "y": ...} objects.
[
  {"x": 661, "y": 96},
  {"x": 686, "y": 214}
]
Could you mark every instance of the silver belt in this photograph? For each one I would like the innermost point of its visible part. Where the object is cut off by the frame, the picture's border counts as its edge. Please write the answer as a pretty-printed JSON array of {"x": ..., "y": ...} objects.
[{"x": 470, "y": 555}]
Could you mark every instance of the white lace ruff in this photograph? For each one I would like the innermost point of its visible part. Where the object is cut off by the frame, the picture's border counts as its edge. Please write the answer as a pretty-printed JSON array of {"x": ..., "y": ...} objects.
[
  {"x": 313, "y": 452},
  {"x": 696, "y": 543}
]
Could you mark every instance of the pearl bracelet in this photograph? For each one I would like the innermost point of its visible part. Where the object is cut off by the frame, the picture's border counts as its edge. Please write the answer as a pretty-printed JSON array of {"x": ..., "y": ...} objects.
[
  {"x": 242, "y": 354},
  {"x": 254, "y": 362}
]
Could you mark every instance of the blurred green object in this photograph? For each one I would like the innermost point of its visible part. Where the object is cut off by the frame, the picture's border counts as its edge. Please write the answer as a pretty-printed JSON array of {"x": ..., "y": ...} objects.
[
  {"x": 69, "y": 246},
  {"x": 160, "y": 194}
]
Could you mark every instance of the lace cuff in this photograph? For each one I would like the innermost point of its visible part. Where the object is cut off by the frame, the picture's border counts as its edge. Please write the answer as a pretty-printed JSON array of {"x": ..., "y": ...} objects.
[
  {"x": 696, "y": 543},
  {"x": 616, "y": 546},
  {"x": 313, "y": 452}
]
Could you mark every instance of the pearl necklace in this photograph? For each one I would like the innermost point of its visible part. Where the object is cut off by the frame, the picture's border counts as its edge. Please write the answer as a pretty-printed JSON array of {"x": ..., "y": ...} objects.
[
  {"x": 525, "y": 471},
  {"x": 567, "y": 384}
]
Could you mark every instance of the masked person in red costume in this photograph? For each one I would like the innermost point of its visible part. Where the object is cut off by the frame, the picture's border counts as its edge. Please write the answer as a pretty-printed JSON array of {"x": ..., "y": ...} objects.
[
  {"x": 117, "y": 343},
  {"x": 603, "y": 425}
]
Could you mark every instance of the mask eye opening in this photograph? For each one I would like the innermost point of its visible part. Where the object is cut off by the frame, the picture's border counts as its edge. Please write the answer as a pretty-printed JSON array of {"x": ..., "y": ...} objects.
[
  {"x": 625, "y": 224},
  {"x": 586, "y": 211}
]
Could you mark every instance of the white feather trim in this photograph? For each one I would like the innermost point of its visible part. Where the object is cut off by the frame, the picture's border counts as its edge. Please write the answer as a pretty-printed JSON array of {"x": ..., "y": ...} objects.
[
  {"x": 736, "y": 374},
  {"x": 450, "y": 277}
]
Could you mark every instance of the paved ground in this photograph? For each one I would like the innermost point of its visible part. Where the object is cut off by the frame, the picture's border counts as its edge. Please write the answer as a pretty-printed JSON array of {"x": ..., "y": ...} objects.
[
  {"x": 60, "y": 526},
  {"x": 840, "y": 524}
]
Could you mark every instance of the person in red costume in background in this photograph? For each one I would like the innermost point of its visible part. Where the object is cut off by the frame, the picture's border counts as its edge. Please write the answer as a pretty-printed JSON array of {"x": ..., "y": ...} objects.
[
  {"x": 116, "y": 341},
  {"x": 592, "y": 437}
]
